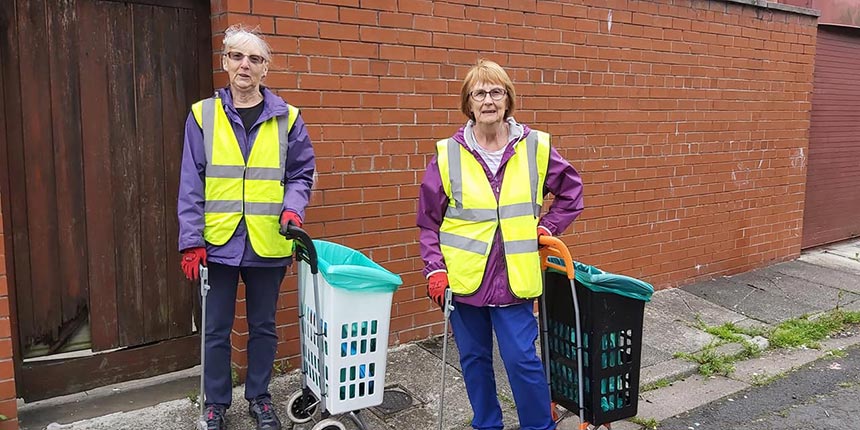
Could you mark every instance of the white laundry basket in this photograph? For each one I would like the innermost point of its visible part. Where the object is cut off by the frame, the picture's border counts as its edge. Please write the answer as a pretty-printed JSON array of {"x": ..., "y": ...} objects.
[{"x": 354, "y": 310}]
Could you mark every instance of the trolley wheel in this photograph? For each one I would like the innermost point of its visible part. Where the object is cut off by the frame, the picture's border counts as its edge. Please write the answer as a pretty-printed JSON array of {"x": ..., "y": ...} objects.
[
  {"x": 301, "y": 407},
  {"x": 329, "y": 424}
]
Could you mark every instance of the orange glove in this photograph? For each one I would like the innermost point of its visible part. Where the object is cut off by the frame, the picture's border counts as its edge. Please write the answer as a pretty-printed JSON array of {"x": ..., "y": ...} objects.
[
  {"x": 192, "y": 258},
  {"x": 287, "y": 218},
  {"x": 436, "y": 287}
]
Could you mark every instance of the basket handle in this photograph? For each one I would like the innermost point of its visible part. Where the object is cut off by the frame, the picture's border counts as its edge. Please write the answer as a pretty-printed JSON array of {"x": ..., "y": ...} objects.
[
  {"x": 305, "y": 249},
  {"x": 552, "y": 246}
]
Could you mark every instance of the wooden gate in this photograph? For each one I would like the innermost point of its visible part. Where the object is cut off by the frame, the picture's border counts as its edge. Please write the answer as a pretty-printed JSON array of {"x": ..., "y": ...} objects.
[{"x": 95, "y": 95}]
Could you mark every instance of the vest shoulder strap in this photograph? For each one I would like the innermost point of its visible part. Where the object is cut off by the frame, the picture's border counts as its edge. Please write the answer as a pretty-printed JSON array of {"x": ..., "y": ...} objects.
[
  {"x": 198, "y": 107},
  {"x": 448, "y": 161}
]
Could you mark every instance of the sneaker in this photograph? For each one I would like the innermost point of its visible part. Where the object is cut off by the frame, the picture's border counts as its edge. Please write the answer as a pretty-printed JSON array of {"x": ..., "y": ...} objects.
[
  {"x": 215, "y": 417},
  {"x": 263, "y": 412}
]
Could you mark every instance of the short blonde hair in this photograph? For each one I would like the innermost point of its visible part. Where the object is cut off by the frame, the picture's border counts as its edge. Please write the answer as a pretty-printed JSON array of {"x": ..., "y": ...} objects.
[
  {"x": 238, "y": 36},
  {"x": 490, "y": 72}
]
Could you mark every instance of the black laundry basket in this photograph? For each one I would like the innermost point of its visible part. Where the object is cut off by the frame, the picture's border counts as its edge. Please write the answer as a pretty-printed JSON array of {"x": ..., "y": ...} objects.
[
  {"x": 612, "y": 347},
  {"x": 591, "y": 336}
]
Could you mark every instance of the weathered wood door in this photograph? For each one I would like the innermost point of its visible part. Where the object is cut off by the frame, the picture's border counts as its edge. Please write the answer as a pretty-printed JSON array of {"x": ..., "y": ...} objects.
[{"x": 95, "y": 95}]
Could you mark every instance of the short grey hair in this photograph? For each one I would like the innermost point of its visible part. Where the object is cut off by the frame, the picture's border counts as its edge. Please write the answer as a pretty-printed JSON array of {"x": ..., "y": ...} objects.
[{"x": 237, "y": 36}]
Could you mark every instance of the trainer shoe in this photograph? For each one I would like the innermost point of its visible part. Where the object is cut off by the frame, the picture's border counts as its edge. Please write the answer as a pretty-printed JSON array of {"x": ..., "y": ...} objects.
[
  {"x": 263, "y": 412},
  {"x": 215, "y": 417}
]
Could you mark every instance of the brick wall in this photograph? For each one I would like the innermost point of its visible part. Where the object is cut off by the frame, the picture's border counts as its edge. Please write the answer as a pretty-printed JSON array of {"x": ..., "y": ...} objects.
[
  {"x": 8, "y": 405},
  {"x": 687, "y": 120}
]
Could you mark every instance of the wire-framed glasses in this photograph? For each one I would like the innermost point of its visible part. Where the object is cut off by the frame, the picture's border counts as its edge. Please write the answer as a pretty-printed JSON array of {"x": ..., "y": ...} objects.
[
  {"x": 239, "y": 56},
  {"x": 495, "y": 94}
]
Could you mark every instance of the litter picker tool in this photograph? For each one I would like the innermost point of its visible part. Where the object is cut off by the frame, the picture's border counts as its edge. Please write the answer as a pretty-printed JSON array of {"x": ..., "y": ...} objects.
[
  {"x": 204, "y": 290},
  {"x": 447, "y": 311}
]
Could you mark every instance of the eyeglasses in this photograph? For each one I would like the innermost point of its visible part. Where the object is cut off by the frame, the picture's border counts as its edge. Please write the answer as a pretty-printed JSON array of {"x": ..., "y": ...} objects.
[
  {"x": 495, "y": 94},
  {"x": 239, "y": 56}
]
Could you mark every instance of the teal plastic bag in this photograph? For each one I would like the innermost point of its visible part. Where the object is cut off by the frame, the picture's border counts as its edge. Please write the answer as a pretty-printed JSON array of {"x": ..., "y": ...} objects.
[
  {"x": 346, "y": 268},
  {"x": 602, "y": 282}
]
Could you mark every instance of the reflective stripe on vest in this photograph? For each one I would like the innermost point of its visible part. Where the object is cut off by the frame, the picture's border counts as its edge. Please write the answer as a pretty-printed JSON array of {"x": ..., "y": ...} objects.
[
  {"x": 473, "y": 214},
  {"x": 235, "y": 188}
]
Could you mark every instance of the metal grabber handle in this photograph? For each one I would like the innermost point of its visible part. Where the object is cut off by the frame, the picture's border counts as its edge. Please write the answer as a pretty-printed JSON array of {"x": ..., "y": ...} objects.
[
  {"x": 447, "y": 311},
  {"x": 204, "y": 290}
]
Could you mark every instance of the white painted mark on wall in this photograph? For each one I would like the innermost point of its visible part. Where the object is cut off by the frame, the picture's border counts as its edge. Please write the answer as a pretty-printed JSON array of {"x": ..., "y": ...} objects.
[
  {"x": 609, "y": 22},
  {"x": 798, "y": 160}
]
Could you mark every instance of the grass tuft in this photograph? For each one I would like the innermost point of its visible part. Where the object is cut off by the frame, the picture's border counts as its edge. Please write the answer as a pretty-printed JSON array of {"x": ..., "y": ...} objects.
[
  {"x": 648, "y": 423},
  {"x": 806, "y": 332}
]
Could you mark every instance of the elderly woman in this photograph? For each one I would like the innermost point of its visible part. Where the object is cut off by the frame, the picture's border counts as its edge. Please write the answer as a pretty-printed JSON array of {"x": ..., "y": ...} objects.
[
  {"x": 479, "y": 218},
  {"x": 247, "y": 170}
]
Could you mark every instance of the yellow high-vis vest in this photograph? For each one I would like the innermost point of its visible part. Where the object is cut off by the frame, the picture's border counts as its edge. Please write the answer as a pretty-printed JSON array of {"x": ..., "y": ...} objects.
[
  {"x": 473, "y": 215},
  {"x": 235, "y": 189}
]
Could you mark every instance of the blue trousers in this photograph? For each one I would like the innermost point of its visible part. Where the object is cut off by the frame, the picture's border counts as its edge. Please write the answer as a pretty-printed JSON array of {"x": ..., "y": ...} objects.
[
  {"x": 262, "y": 285},
  {"x": 516, "y": 331}
]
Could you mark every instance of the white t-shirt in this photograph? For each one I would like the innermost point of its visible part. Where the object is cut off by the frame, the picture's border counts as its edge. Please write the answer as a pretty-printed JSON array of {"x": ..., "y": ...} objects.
[{"x": 493, "y": 158}]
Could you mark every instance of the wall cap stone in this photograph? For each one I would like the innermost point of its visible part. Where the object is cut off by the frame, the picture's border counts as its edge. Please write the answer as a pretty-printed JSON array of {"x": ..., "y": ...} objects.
[{"x": 778, "y": 6}]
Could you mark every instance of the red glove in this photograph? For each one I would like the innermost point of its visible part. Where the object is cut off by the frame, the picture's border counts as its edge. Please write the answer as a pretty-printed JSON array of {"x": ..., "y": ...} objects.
[
  {"x": 436, "y": 287},
  {"x": 542, "y": 231},
  {"x": 287, "y": 218},
  {"x": 192, "y": 258}
]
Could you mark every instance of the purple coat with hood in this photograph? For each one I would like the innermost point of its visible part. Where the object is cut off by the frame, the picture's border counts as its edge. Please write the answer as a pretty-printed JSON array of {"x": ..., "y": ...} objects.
[
  {"x": 562, "y": 181},
  {"x": 298, "y": 180}
]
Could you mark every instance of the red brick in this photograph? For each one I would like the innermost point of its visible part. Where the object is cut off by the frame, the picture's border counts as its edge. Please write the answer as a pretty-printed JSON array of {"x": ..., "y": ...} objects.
[
  {"x": 430, "y": 23},
  {"x": 7, "y": 389},
  {"x": 418, "y": 7},
  {"x": 396, "y": 20},
  {"x": 448, "y": 10},
  {"x": 315, "y": 12},
  {"x": 279, "y": 8},
  {"x": 396, "y": 52},
  {"x": 358, "y": 16},
  {"x": 265, "y": 25},
  {"x": 338, "y": 31},
  {"x": 243, "y": 6}
]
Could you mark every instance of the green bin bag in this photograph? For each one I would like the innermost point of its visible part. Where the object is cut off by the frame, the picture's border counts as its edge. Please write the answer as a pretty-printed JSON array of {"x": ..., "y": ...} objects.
[
  {"x": 346, "y": 268},
  {"x": 602, "y": 282}
]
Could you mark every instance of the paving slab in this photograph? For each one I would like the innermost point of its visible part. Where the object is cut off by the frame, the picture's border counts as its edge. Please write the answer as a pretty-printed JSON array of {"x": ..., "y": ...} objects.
[
  {"x": 670, "y": 318},
  {"x": 503, "y": 386},
  {"x": 811, "y": 296},
  {"x": 831, "y": 261},
  {"x": 748, "y": 300},
  {"x": 848, "y": 249},
  {"x": 684, "y": 395},
  {"x": 822, "y": 275},
  {"x": 572, "y": 423},
  {"x": 419, "y": 370},
  {"x": 772, "y": 364},
  {"x": 652, "y": 355},
  {"x": 676, "y": 368},
  {"x": 101, "y": 401}
]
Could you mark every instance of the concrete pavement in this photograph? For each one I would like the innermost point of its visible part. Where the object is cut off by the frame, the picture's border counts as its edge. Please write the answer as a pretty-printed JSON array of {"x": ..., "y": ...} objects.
[{"x": 819, "y": 281}]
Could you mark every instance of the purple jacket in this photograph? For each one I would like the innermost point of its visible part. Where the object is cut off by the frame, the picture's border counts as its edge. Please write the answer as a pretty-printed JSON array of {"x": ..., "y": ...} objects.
[
  {"x": 298, "y": 180},
  {"x": 562, "y": 180}
]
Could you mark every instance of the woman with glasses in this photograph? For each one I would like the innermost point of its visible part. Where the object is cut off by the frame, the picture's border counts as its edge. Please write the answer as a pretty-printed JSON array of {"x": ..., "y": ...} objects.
[
  {"x": 479, "y": 219},
  {"x": 247, "y": 171}
]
